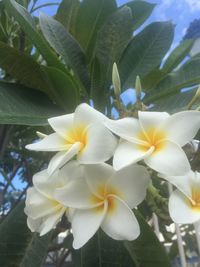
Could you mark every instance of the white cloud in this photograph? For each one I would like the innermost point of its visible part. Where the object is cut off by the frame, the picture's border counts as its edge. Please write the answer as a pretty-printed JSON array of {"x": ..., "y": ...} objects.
[{"x": 194, "y": 5}]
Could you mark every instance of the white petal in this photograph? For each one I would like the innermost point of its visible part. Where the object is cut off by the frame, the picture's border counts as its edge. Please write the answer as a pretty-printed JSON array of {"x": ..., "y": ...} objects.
[
  {"x": 43, "y": 183},
  {"x": 120, "y": 223},
  {"x": 182, "y": 127},
  {"x": 70, "y": 171},
  {"x": 127, "y": 128},
  {"x": 128, "y": 153},
  {"x": 61, "y": 124},
  {"x": 97, "y": 176},
  {"x": 100, "y": 146},
  {"x": 131, "y": 184},
  {"x": 76, "y": 194},
  {"x": 37, "y": 205},
  {"x": 170, "y": 160},
  {"x": 34, "y": 225},
  {"x": 183, "y": 183},
  {"x": 61, "y": 158},
  {"x": 85, "y": 223},
  {"x": 52, "y": 142},
  {"x": 84, "y": 114},
  {"x": 180, "y": 209},
  {"x": 51, "y": 221},
  {"x": 151, "y": 120}
]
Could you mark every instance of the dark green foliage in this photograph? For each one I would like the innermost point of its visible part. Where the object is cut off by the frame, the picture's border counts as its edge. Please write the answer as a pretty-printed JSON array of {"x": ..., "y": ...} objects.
[
  {"x": 18, "y": 246},
  {"x": 21, "y": 105},
  {"x": 146, "y": 250},
  {"x": 145, "y": 52}
]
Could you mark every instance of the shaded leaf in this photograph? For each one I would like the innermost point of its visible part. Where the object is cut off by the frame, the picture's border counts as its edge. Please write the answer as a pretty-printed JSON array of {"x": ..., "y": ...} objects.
[
  {"x": 22, "y": 67},
  {"x": 146, "y": 249},
  {"x": 176, "y": 102},
  {"x": 18, "y": 246},
  {"x": 67, "y": 14},
  {"x": 186, "y": 76},
  {"x": 177, "y": 55},
  {"x": 23, "y": 106},
  {"x": 63, "y": 88},
  {"x": 27, "y": 23},
  {"x": 141, "y": 10},
  {"x": 102, "y": 251},
  {"x": 65, "y": 45},
  {"x": 152, "y": 79},
  {"x": 113, "y": 38},
  {"x": 91, "y": 16},
  {"x": 145, "y": 52}
]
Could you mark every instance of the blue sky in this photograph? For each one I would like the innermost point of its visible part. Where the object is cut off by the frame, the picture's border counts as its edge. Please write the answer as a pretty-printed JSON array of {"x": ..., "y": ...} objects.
[{"x": 180, "y": 12}]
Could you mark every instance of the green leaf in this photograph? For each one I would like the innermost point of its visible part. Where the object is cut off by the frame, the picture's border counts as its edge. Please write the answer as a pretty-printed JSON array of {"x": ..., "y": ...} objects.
[
  {"x": 23, "y": 106},
  {"x": 146, "y": 249},
  {"x": 141, "y": 10},
  {"x": 102, "y": 251},
  {"x": 97, "y": 85},
  {"x": 177, "y": 55},
  {"x": 176, "y": 102},
  {"x": 22, "y": 67},
  {"x": 27, "y": 23},
  {"x": 63, "y": 88},
  {"x": 186, "y": 76},
  {"x": 18, "y": 246},
  {"x": 113, "y": 38},
  {"x": 145, "y": 52},
  {"x": 67, "y": 14},
  {"x": 152, "y": 79},
  {"x": 91, "y": 16},
  {"x": 65, "y": 45}
]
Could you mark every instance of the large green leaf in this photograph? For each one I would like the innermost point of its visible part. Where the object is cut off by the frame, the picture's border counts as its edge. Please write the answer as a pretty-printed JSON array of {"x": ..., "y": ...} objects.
[
  {"x": 141, "y": 10},
  {"x": 22, "y": 67},
  {"x": 102, "y": 251},
  {"x": 63, "y": 88},
  {"x": 65, "y": 45},
  {"x": 177, "y": 55},
  {"x": 186, "y": 76},
  {"x": 145, "y": 52},
  {"x": 152, "y": 79},
  {"x": 67, "y": 14},
  {"x": 113, "y": 38},
  {"x": 91, "y": 16},
  {"x": 27, "y": 23},
  {"x": 146, "y": 250},
  {"x": 18, "y": 246},
  {"x": 23, "y": 106},
  {"x": 176, "y": 102}
]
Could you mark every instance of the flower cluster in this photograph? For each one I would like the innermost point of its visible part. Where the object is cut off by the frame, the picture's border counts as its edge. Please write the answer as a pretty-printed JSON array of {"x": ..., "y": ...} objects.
[{"x": 93, "y": 194}]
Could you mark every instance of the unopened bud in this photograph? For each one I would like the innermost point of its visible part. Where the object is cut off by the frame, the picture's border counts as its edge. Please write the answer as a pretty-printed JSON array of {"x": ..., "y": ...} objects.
[
  {"x": 116, "y": 80},
  {"x": 138, "y": 88}
]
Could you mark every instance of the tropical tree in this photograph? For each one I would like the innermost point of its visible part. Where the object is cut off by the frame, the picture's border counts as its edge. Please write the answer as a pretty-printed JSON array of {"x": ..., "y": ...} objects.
[{"x": 91, "y": 51}]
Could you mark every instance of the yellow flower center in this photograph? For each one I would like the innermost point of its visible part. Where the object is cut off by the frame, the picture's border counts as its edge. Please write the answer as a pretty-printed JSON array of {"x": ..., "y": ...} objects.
[
  {"x": 151, "y": 138},
  {"x": 195, "y": 201},
  {"x": 104, "y": 195},
  {"x": 77, "y": 134}
]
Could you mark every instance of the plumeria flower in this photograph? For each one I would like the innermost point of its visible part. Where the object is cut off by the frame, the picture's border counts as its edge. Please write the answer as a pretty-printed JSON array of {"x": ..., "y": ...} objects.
[
  {"x": 104, "y": 198},
  {"x": 184, "y": 203},
  {"x": 157, "y": 138},
  {"x": 81, "y": 134},
  {"x": 42, "y": 209}
]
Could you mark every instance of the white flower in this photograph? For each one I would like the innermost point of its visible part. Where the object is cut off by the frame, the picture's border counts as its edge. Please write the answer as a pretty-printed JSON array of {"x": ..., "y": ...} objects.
[
  {"x": 184, "y": 203},
  {"x": 81, "y": 133},
  {"x": 104, "y": 198},
  {"x": 157, "y": 138},
  {"x": 42, "y": 209}
]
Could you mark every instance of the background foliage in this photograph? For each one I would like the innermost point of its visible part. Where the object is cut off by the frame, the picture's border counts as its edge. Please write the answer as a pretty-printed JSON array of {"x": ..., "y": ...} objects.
[{"x": 51, "y": 64}]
